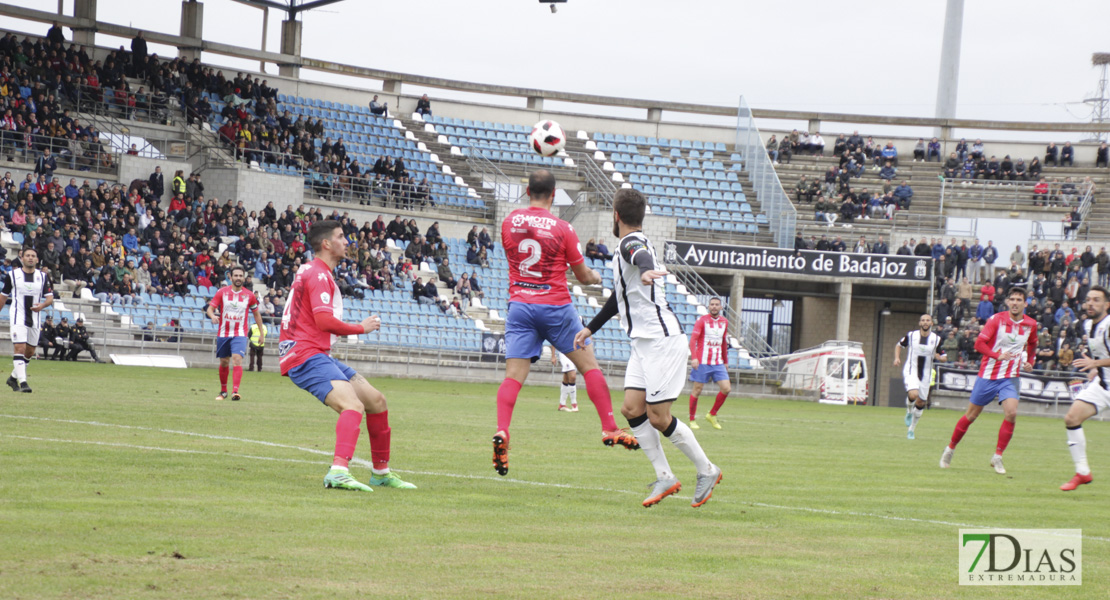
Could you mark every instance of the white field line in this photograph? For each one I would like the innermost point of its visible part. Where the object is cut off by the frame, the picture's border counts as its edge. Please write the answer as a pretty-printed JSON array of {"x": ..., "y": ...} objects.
[{"x": 366, "y": 463}]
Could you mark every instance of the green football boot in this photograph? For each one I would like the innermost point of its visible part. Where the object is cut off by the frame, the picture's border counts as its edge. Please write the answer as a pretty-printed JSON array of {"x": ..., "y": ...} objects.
[
  {"x": 341, "y": 479},
  {"x": 391, "y": 480}
]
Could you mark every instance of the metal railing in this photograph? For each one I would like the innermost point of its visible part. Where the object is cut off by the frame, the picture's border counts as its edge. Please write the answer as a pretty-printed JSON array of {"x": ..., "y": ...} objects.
[
  {"x": 492, "y": 178},
  {"x": 751, "y": 339},
  {"x": 89, "y": 156},
  {"x": 1072, "y": 230},
  {"x": 100, "y": 108},
  {"x": 1007, "y": 195},
  {"x": 782, "y": 216},
  {"x": 602, "y": 188}
]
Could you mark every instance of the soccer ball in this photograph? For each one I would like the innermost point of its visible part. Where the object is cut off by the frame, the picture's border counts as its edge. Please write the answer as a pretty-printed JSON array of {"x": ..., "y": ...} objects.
[{"x": 547, "y": 138}]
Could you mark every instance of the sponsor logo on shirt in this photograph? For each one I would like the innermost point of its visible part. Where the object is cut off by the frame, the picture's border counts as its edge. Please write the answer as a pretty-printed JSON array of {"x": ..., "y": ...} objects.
[{"x": 535, "y": 221}]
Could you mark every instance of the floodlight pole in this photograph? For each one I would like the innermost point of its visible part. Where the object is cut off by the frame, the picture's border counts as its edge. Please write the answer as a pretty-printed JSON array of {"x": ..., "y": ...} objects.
[{"x": 948, "y": 81}]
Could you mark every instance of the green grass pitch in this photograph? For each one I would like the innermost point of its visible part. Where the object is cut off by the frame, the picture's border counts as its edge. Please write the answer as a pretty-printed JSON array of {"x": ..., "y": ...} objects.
[{"x": 135, "y": 483}]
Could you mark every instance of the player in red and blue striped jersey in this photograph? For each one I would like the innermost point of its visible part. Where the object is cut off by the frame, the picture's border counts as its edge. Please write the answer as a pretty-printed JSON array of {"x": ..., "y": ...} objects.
[
  {"x": 709, "y": 354},
  {"x": 233, "y": 303},
  {"x": 1008, "y": 343}
]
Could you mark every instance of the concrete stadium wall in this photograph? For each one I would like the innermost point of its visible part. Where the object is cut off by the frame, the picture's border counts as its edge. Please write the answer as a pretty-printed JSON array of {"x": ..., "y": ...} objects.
[{"x": 254, "y": 188}]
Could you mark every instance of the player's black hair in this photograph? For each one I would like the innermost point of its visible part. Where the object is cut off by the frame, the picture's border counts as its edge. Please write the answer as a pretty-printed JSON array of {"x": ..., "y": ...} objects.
[
  {"x": 630, "y": 205},
  {"x": 235, "y": 268},
  {"x": 1017, "y": 290},
  {"x": 320, "y": 231},
  {"x": 541, "y": 184},
  {"x": 717, "y": 298},
  {"x": 24, "y": 249},
  {"x": 1099, "y": 288}
]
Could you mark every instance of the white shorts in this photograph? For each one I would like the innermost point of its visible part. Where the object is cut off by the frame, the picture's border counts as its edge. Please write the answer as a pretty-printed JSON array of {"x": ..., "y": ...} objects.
[
  {"x": 1093, "y": 393},
  {"x": 22, "y": 334},
  {"x": 913, "y": 383},
  {"x": 568, "y": 366},
  {"x": 658, "y": 366}
]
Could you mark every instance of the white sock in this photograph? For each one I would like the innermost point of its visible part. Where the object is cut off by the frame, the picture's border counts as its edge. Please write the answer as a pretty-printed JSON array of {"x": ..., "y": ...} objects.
[
  {"x": 683, "y": 439},
  {"x": 384, "y": 471},
  {"x": 572, "y": 393},
  {"x": 916, "y": 412},
  {"x": 1077, "y": 445},
  {"x": 20, "y": 370},
  {"x": 909, "y": 405},
  {"x": 563, "y": 395},
  {"x": 648, "y": 437}
]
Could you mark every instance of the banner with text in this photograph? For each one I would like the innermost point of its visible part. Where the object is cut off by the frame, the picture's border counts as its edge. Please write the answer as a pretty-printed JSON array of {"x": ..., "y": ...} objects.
[
  {"x": 1033, "y": 386},
  {"x": 800, "y": 262}
]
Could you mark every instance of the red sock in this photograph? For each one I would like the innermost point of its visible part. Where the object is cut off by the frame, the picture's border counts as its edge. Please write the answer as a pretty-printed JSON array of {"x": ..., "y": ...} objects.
[
  {"x": 346, "y": 437},
  {"x": 223, "y": 378},
  {"x": 1005, "y": 432},
  {"x": 598, "y": 391},
  {"x": 377, "y": 426},
  {"x": 693, "y": 406},
  {"x": 236, "y": 377},
  {"x": 958, "y": 433},
  {"x": 506, "y": 400},
  {"x": 718, "y": 403}
]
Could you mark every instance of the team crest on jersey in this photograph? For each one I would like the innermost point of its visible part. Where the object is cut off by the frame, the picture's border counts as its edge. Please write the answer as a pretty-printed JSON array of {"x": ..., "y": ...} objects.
[{"x": 325, "y": 297}]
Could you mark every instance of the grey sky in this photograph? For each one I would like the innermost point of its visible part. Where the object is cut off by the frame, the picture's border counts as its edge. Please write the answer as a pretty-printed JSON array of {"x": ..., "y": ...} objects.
[{"x": 1021, "y": 60}]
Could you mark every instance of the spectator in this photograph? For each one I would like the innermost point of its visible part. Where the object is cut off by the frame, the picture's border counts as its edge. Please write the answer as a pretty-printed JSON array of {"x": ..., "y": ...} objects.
[
  {"x": 379, "y": 109},
  {"x": 424, "y": 106},
  {"x": 933, "y": 151},
  {"x": 903, "y": 195},
  {"x": 977, "y": 150},
  {"x": 1067, "y": 155},
  {"x": 888, "y": 172},
  {"x": 484, "y": 239},
  {"x": 157, "y": 183},
  {"x": 772, "y": 147},
  {"x": 880, "y": 247},
  {"x": 1102, "y": 156},
  {"x": 445, "y": 274},
  {"x": 890, "y": 154},
  {"x": 603, "y": 250},
  {"x": 1051, "y": 154},
  {"x": 919, "y": 150}
]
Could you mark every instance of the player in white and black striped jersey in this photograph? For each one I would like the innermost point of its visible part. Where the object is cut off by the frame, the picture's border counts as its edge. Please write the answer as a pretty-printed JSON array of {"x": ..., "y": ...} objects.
[
  {"x": 922, "y": 346},
  {"x": 656, "y": 370},
  {"x": 1095, "y": 395},
  {"x": 31, "y": 291}
]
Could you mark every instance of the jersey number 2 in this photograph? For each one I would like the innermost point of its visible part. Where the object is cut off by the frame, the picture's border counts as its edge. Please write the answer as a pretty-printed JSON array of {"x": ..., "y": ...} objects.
[{"x": 534, "y": 251}]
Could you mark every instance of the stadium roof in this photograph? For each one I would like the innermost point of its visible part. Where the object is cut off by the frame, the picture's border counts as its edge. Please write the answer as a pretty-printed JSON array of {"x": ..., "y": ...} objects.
[{"x": 290, "y": 6}]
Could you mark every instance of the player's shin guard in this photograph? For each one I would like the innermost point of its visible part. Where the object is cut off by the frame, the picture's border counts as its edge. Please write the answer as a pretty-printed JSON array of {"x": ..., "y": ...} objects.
[
  {"x": 718, "y": 403},
  {"x": 1005, "y": 432},
  {"x": 959, "y": 431},
  {"x": 1077, "y": 445},
  {"x": 346, "y": 437},
  {"x": 377, "y": 426},
  {"x": 915, "y": 413},
  {"x": 506, "y": 400},
  {"x": 683, "y": 438},
  {"x": 223, "y": 378},
  {"x": 236, "y": 377},
  {"x": 598, "y": 391},
  {"x": 651, "y": 444},
  {"x": 693, "y": 407},
  {"x": 19, "y": 367}
]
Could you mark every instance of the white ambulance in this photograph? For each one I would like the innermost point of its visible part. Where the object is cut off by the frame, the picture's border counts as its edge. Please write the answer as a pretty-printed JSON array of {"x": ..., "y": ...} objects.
[{"x": 836, "y": 370}]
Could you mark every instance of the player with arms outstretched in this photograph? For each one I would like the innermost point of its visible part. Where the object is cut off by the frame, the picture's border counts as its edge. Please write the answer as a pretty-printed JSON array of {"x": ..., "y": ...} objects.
[
  {"x": 1095, "y": 395},
  {"x": 922, "y": 347},
  {"x": 1008, "y": 343},
  {"x": 308, "y": 327},
  {"x": 569, "y": 388},
  {"x": 656, "y": 370},
  {"x": 233, "y": 303},
  {"x": 709, "y": 349},
  {"x": 31, "y": 291},
  {"x": 539, "y": 247}
]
